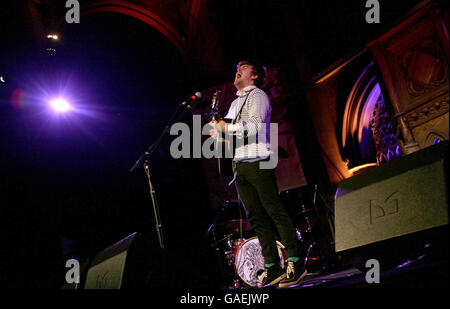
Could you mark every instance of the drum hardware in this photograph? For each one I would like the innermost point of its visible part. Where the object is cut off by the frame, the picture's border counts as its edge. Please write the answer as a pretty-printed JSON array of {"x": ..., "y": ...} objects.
[
  {"x": 303, "y": 209},
  {"x": 237, "y": 226},
  {"x": 314, "y": 258},
  {"x": 225, "y": 247},
  {"x": 300, "y": 236},
  {"x": 225, "y": 239},
  {"x": 240, "y": 260},
  {"x": 213, "y": 224},
  {"x": 325, "y": 252},
  {"x": 228, "y": 272},
  {"x": 217, "y": 251},
  {"x": 244, "y": 260}
]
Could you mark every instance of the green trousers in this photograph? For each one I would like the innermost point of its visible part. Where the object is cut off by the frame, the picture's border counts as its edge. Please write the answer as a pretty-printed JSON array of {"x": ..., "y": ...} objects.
[{"x": 258, "y": 191}]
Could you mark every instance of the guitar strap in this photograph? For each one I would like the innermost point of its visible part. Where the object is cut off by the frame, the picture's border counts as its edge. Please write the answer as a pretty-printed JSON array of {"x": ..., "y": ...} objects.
[
  {"x": 240, "y": 111},
  {"x": 233, "y": 122}
]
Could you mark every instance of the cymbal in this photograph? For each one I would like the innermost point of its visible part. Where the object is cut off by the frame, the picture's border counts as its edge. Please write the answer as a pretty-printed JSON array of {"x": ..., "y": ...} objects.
[
  {"x": 234, "y": 226},
  {"x": 304, "y": 210}
]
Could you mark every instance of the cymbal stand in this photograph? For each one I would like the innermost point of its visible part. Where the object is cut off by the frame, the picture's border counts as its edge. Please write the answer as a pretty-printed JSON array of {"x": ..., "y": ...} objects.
[
  {"x": 313, "y": 245},
  {"x": 217, "y": 250},
  {"x": 211, "y": 227}
]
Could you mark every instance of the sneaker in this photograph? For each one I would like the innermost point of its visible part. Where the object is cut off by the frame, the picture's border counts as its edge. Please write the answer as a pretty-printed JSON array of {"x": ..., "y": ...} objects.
[
  {"x": 272, "y": 276},
  {"x": 295, "y": 272}
]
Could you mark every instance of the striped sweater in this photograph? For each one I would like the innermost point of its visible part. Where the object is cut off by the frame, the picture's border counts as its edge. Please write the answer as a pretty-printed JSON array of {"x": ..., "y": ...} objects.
[{"x": 252, "y": 127}]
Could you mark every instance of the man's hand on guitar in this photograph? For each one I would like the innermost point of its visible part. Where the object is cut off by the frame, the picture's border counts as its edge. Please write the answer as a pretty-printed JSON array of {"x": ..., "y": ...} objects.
[{"x": 217, "y": 125}]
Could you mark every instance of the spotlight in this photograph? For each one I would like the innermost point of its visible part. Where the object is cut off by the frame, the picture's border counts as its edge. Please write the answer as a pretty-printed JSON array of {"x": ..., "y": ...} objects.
[
  {"x": 2, "y": 79},
  {"x": 60, "y": 105},
  {"x": 52, "y": 36}
]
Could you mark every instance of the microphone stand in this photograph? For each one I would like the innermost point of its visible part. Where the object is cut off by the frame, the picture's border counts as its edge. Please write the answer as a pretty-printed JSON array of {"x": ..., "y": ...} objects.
[{"x": 145, "y": 160}]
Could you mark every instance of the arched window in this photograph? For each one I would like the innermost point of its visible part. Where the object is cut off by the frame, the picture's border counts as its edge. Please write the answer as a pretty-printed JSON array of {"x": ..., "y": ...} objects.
[{"x": 368, "y": 133}]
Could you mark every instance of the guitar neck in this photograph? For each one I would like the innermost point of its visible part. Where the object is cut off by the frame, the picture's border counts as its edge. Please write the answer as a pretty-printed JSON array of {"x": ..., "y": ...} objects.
[{"x": 215, "y": 105}]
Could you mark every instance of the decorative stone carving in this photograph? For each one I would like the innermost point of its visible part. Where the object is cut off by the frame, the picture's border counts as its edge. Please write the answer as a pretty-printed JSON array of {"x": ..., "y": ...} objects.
[
  {"x": 413, "y": 60},
  {"x": 427, "y": 112},
  {"x": 423, "y": 67},
  {"x": 383, "y": 133}
]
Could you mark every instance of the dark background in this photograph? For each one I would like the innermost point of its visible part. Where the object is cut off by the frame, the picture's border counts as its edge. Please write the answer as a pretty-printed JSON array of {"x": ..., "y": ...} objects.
[{"x": 66, "y": 188}]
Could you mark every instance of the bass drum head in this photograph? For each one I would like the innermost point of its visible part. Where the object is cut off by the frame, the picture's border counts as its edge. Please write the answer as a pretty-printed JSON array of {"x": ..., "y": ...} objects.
[{"x": 249, "y": 261}]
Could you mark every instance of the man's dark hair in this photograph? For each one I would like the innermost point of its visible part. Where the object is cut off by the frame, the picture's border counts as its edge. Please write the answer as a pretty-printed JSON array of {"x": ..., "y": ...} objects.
[{"x": 257, "y": 69}]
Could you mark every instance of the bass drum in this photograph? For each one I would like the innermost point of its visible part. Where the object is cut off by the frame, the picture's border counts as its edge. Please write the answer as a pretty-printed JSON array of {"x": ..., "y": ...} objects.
[{"x": 249, "y": 261}]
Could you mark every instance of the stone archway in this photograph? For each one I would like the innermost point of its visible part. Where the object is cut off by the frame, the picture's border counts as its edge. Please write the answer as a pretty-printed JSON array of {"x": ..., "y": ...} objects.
[
  {"x": 368, "y": 132},
  {"x": 140, "y": 13}
]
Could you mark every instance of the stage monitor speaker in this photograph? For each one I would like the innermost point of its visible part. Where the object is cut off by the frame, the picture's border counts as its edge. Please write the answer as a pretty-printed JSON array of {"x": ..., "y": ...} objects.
[
  {"x": 126, "y": 264},
  {"x": 403, "y": 197}
]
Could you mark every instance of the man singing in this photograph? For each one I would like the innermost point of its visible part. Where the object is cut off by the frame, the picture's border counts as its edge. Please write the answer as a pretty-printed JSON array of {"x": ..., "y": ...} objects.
[{"x": 255, "y": 182}]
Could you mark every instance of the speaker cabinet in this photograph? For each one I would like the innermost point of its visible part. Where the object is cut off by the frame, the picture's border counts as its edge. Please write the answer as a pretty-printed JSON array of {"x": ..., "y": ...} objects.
[
  {"x": 126, "y": 264},
  {"x": 398, "y": 200}
]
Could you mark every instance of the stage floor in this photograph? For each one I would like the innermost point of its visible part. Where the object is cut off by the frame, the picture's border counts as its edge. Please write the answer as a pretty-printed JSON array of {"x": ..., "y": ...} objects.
[{"x": 416, "y": 274}]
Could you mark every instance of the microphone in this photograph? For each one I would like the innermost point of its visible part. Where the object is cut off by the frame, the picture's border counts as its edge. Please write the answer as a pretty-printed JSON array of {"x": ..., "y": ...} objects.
[{"x": 192, "y": 98}]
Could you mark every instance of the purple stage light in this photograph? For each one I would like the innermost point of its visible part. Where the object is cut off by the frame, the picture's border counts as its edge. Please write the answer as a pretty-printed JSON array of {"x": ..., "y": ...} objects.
[{"x": 60, "y": 105}]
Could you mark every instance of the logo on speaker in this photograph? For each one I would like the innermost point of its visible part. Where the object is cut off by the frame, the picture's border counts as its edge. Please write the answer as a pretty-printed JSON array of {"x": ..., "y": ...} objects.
[{"x": 379, "y": 209}]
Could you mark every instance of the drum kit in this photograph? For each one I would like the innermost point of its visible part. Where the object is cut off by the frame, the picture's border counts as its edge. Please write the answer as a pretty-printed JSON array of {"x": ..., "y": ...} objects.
[
  {"x": 239, "y": 252},
  {"x": 241, "y": 260}
]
